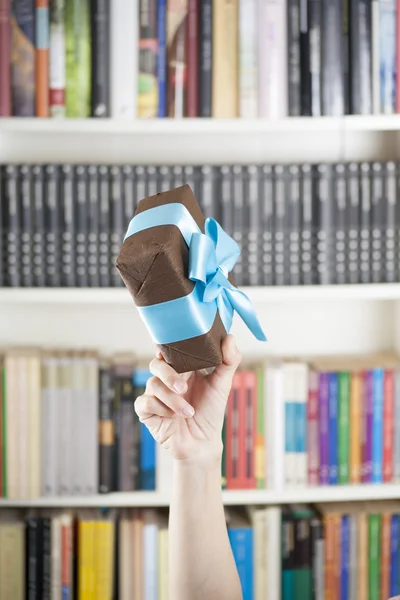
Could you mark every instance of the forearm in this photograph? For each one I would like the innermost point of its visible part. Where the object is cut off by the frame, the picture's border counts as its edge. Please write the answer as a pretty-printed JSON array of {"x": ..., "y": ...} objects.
[{"x": 201, "y": 560}]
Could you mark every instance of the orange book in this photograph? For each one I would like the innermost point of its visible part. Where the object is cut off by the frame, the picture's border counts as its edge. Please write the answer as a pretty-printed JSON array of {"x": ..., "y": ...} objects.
[
  {"x": 329, "y": 526},
  {"x": 66, "y": 554},
  {"x": 356, "y": 383},
  {"x": 362, "y": 556},
  {"x": 42, "y": 58},
  {"x": 385, "y": 556},
  {"x": 337, "y": 556}
]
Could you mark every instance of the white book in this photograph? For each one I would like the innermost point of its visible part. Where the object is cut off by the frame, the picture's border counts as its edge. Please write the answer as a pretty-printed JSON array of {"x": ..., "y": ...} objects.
[
  {"x": 56, "y": 590},
  {"x": 260, "y": 559},
  {"x": 274, "y": 517},
  {"x": 66, "y": 430},
  {"x": 92, "y": 423},
  {"x": 124, "y": 59},
  {"x": 289, "y": 403},
  {"x": 300, "y": 382},
  {"x": 275, "y": 427},
  {"x": 34, "y": 418},
  {"x": 248, "y": 59},
  {"x": 376, "y": 59},
  {"x": 12, "y": 426},
  {"x": 49, "y": 411},
  {"x": 23, "y": 434},
  {"x": 150, "y": 555},
  {"x": 272, "y": 59},
  {"x": 78, "y": 450}
]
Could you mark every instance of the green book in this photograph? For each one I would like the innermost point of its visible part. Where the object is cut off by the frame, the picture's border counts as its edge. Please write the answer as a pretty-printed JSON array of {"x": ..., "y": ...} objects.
[
  {"x": 374, "y": 552},
  {"x": 78, "y": 59},
  {"x": 344, "y": 427},
  {"x": 4, "y": 430},
  {"x": 260, "y": 433}
]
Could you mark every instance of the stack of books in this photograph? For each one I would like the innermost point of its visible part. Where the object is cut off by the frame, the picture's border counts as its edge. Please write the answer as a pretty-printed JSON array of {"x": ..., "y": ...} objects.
[{"x": 231, "y": 58}]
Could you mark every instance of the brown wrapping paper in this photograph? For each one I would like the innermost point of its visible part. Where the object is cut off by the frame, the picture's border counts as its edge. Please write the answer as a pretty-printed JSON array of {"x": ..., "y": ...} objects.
[{"x": 154, "y": 266}]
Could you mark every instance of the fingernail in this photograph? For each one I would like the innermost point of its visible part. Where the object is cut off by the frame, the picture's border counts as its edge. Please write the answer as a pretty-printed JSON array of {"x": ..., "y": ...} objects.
[
  {"x": 187, "y": 410},
  {"x": 180, "y": 386}
]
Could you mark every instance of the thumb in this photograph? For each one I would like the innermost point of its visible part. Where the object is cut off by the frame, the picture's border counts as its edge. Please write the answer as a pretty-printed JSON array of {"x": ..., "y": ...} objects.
[{"x": 221, "y": 378}]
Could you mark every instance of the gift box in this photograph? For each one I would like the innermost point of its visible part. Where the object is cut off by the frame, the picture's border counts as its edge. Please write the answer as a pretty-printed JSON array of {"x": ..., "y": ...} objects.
[{"x": 176, "y": 264}]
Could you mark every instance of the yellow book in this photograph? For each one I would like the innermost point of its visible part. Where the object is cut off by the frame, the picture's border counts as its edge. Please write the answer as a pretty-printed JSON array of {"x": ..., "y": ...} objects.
[
  {"x": 163, "y": 581},
  {"x": 12, "y": 561},
  {"x": 225, "y": 86},
  {"x": 86, "y": 560},
  {"x": 104, "y": 559},
  {"x": 355, "y": 426}
]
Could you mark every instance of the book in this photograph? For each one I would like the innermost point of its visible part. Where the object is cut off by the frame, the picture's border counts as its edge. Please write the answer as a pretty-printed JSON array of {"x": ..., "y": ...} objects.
[
  {"x": 344, "y": 427},
  {"x": 205, "y": 58},
  {"x": 225, "y": 99},
  {"x": 52, "y": 211},
  {"x": 353, "y": 218},
  {"x": 280, "y": 224},
  {"x": 162, "y": 57},
  {"x": 376, "y": 58},
  {"x": 23, "y": 72},
  {"x": 248, "y": 59},
  {"x": 288, "y": 555},
  {"x": 308, "y": 243},
  {"x": 294, "y": 52},
  {"x": 12, "y": 560},
  {"x": 345, "y": 558},
  {"x": 394, "y": 556},
  {"x": 388, "y": 430},
  {"x": 331, "y": 59},
  {"x": 325, "y": 225},
  {"x": 124, "y": 19},
  {"x": 387, "y": 55},
  {"x": 314, "y": 9},
  {"x": 356, "y": 397},
  {"x": 106, "y": 429},
  {"x": 267, "y": 204},
  {"x": 13, "y": 221},
  {"x": 25, "y": 178},
  {"x": 333, "y": 437},
  {"x": 117, "y": 224},
  {"x": 254, "y": 241},
  {"x": 68, "y": 226},
  {"x": 147, "y": 103},
  {"x": 147, "y": 451},
  {"x": 93, "y": 213},
  {"x": 302, "y": 553},
  {"x": 341, "y": 246},
  {"x": 377, "y": 425},
  {"x": 374, "y": 546},
  {"x": 5, "y": 58},
  {"x": 365, "y": 223},
  {"x": 177, "y": 12},
  {"x": 305, "y": 59},
  {"x": 324, "y": 428},
  {"x": 241, "y": 540},
  {"x": 313, "y": 428},
  {"x": 385, "y": 554},
  {"x": 100, "y": 67},
  {"x": 78, "y": 46},
  {"x": 42, "y": 43},
  {"x": 57, "y": 63},
  {"x": 192, "y": 52},
  {"x": 293, "y": 224},
  {"x": 389, "y": 224},
  {"x": 104, "y": 226},
  {"x": 360, "y": 57}
]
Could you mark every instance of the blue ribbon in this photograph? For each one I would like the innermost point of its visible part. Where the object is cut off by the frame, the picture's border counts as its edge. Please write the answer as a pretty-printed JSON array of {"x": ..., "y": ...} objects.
[{"x": 212, "y": 256}]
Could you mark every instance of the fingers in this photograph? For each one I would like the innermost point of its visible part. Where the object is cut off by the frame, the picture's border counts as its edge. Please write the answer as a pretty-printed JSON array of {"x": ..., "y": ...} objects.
[
  {"x": 156, "y": 387},
  {"x": 147, "y": 406},
  {"x": 168, "y": 376},
  {"x": 222, "y": 377}
]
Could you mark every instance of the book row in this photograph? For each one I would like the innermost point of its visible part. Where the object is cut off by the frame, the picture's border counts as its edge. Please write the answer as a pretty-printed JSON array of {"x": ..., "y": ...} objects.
[
  {"x": 198, "y": 58},
  {"x": 63, "y": 225}
]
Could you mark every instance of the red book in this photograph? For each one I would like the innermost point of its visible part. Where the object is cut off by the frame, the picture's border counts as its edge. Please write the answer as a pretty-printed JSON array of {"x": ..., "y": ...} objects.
[
  {"x": 249, "y": 426},
  {"x": 398, "y": 56},
  {"x": 232, "y": 436},
  {"x": 42, "y": 58},
  {"x": 388, "y": 409},
  {"x": 66, "y": 555},
  {"x": 313, "y": 429},
  {"x": 192, "y": 44},
  {"x": 5, "y": 59}
]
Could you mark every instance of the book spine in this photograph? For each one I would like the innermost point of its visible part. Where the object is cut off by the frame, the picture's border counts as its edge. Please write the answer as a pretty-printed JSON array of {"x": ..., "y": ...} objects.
[
  {"x": 389, "y": 225},
  {"x": 329, "y": 534},
  {"x": 303, "y": 571},
  {"x": 353, "y": 223},
  {"x": 141, "y": 188},
  {"x": 13, "y": 247},
  {"x": 385, "y": 555},
  {"x": 325, "y": 225},
  {"x": 273, "y": 91},
  {"x": 377, "y": 213},
  {"x": 248, "y": 59},
  {"x": 344, "y": 427},
  {"x": 227, "y": 210},
  {"x": 147, "y": 460},
  {"x": 23, "y": 88},
  {"x": 365, "y": 224},
  {"x": 356, "y": 416},
  {"x": 207, "y": 198},
  {"x": 315, "y": 24},
  {"x": 388, "y": 420},
  {"x": 192, "y": 91},
  {"x": 225, "y": 100},
  {"x": 39, "y": 241},
  {"x": 162, "y": 57},
  {"x": 148, "y": 50},
  {"x": 252, "y": 196},
  {"x": 307, "y": 225},
  {"x": 260, "y": 442},
  {"x": 241, "y": 540},
  {"x": 301, "y": 388},
  {"x": 205, "y": 58},
  {"x": 57, "y": 81},
  {"x": 394, "y": 555},
  {"x": 294, "y": 224},
  {"x": 294, "y": 67},
  {"x": 128, "y": 463},
  {"x": 5, "y": 58},
  {"x": 363, "y": 551},
  {"x": 78, "y": 59},
  {"x": 42, "y": 31},
  {"x": 376, "y": 60},
  {"x": 289, "y": 400},
  {"x": 374, "y": 547},
  {"x": 345, "y": 54},
  {"x": 233, "y": 457},
  {"x": 333, "y": 428},
  {"x": 288, "y": 557},
  {"x": 318, "y": 550},
  {"x": 25, "y": 182},
  {"x": 104, "y": 227},
  {"x": 32, "y": 535},
  {"x": 124, "y": 59},
  {"x": 387, "y": 34},
  {"x": 93, "y": 246},
  {"x": 345, "y": 559},
  {"x": 66, "y": 558},
  {"x": 117, "y": 224},
  {"x": 360, "y": 57},
  {"x": 267, "y": 208},
  {"x": 52, "y": 231},
  {"x": 239, "y": 221},
  {"x": 397, "y": 56},
  {"x": 68, "y": 226},
  {"x": 249, "y": 389},
  {"x": 46, "y": 573},
  {"x": 324, "y": 428},
  {"x": 280, "y": 219},
  {"x": 332, "y": 60},
  {"x": 305, "y": 56},
  {"x": 106, "y": 431},
  {"x": 396, "y": 427},
  {"x": 368, "y": 424},
  {"x": 100, "y": 20},
  {"x": 177, "y": 57},
  {"x": 81, "y": 221},
  {"x": 377, "y": 426},
  {"x": 3, "y": 229},
  {"x": 128, "y": 183},
  {"x": 313, "y": 429},
  {"x": 353, "y": 556},
  {"x": 341, "y": 248}
]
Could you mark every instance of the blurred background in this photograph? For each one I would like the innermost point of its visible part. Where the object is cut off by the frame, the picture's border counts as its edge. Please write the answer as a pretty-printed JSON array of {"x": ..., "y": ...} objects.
[{"x": 282, "y": 115}]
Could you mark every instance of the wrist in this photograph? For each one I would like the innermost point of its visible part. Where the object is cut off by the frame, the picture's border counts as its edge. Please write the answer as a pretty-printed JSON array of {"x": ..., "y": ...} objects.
[{"x": 210, "y": 461}]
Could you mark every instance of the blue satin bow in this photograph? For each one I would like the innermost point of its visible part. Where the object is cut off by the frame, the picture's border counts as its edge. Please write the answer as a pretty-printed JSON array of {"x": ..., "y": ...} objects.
[{"x": 212, "y": 256}]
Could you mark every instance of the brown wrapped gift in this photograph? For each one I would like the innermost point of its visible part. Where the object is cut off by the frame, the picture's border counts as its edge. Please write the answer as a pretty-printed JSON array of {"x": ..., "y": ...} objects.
[{"x": 154, "y": 263}]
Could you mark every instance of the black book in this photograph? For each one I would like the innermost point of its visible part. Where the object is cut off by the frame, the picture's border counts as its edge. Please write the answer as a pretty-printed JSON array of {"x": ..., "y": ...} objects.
[
  {"x": 240, "y": 222},
  {"x": 360, "y": 55},
  {"x": 2, "y": 230},
  {"x": 68, "y": 235},
  {"x": 52, "y": 224},
  {"x": 305, "y": 56},
  {"x": 104, "y": 227},
  {"x": 13, "y": 203},
  {"x": 25, "y": 182},
  {"x": 377, "y": 222},
  {"x": 190, "y": 177},
  {"x": 117, "y": 223},
  {"x": 106, "y": 430},
  {"x": 141, "y": 187},
  {"x": 207, "y": 191},
  {"x": 315, "y": 22},
  {"x": 100, "y": 37},
  {"x": 280, "y": 226},
  {"x": 128, "y": 184},
  {"x": 389, "y": 233},
  {"x": 177, "y": 176},
  {"x": 164, "y": 176},
  {"x": 365, "y": 223},
  {"x": 293, "y": 224},
  {"x": 294, "y": 71},
  {"x": 253, "y": 243},
  {"x": 152, "y": 182},
  {"x": 325, "y": 225},
  {"x": 341, "y": 249},
  {"x": 34, "y": 558},
  {"x": 46, "y": 570},
  {"x": 267, "y": 203},
  {"x": 226, "y": 198},
  {"x": 332, "y": 61},
  {"x": 81, "y": 226},
  {"x": 346, "y": 56},
  {"x": 353, "y": 222},
  {"x": 308, "y": 241},
  {"x": 39, "y": 232},
  {"x": 302, "y": 552},
  {"x": 93, "y": 247},
  {"x": 205, "y": 58}
]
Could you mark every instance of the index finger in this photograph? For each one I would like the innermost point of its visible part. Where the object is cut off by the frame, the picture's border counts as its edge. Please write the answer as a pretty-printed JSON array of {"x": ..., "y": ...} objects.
[{"x": 159, "y": 368}]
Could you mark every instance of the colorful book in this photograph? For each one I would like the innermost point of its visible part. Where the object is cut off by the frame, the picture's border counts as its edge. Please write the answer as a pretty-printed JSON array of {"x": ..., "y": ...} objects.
[
  {"x": 241, "y": 540},
  {"x": 387, "y": 55},
  {"x": 57, "y": 77},
  {"x": 78, "y": 58},
  {"x": 388, "y": 422},
  {"x": 177, "y": 12},
  {"x": 260, "y": 463},
  {"x": 147, "y": 444},
  {"x": 324, "y": 428},
  {"x": 162, "y": 57},
  {"x": 288, "y": 556},
  {"x": 385, "y": 554},
  {"x": 148, "y": 50},
  {"x": 377, "y": 426},
  {"x": 192, "y": 53},
  {"x": 368, "y": 426},
  {"x": 42, "y": 18},
  {"x": 374, "y": 549},
  {"x": 394, "y": 555},
  {"x": 333, "y": 428},
  {"x": 345, "y": 559},
  {"x": 5, "y": 58},
  {"x": 344, "y": 427},
  {"x": 23, "y": 72},
  {"x": 225, "y": 99},
  {"x": 124, "y": 59},
  {"x": 356, "y": 413},
  {"x": 313, "y": 428}
]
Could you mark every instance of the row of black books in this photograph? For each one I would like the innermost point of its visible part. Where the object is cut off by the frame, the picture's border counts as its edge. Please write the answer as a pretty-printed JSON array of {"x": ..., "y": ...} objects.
[{"x": 63, "y": 225}]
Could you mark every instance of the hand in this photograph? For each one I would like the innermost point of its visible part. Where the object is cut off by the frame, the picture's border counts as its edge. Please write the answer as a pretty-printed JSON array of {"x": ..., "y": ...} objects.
[{"x": 185, "y": 413}]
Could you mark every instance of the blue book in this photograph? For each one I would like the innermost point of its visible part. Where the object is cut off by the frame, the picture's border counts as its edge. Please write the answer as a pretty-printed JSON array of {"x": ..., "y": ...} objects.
[
  {"x": 290, "y": 441},
  {"x": 162, "y": 58},
  {"x": 377, "y": 425},
  {"x": 345, "y": 560},
  {"x": 241, "y": 540},
  {"x": 387, "y": 47},
  {"x": 147, "y": 452},
  {"x": 394, "y": 556},
  {"x": 301, "y": 427},
  {"x": 333, "y": 400}
]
